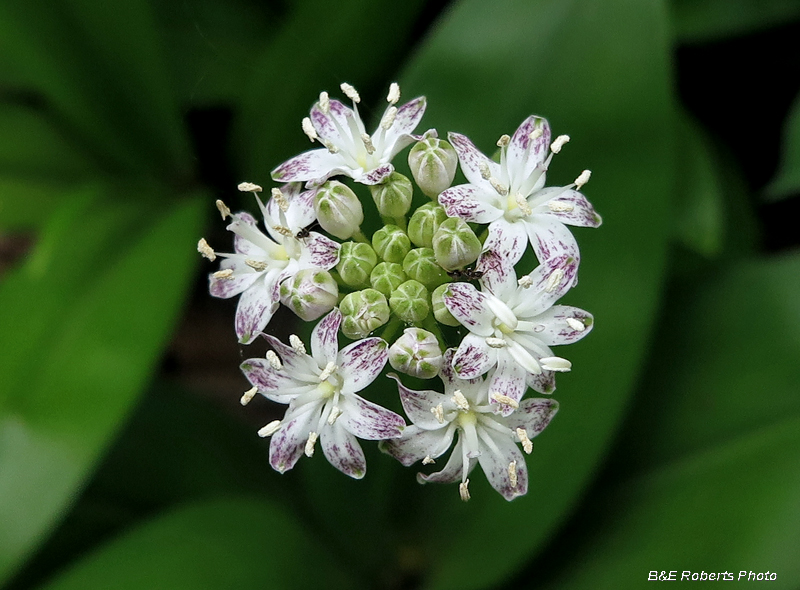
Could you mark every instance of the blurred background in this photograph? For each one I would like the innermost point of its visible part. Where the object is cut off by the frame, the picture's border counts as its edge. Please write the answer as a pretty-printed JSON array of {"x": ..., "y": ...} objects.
[{"x": 126, "y": 460}]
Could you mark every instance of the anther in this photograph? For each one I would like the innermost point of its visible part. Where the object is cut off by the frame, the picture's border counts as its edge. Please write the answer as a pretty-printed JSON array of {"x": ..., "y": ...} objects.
[
  {"x": 312, "y": 440},
  {"x": 498, "y": 186},
  {"x": 583, "y": 179},
  {"x": 536, "y": 134},
  {"x": 223, "y": 274},
  {"x": 505, "y": 400},
  {"x": 249, "y": 187},
  {"x": 223, "y": 209},
  {"x": 331, "y": 148},
  {"x": 554, "y": 280},
  {"x": 394, "y": 93},
  {"x": 256, "y": 265},
  {"x": 206, "y": 250},
  {"x": 284, "y": 231},
  {"x": 486, "y": 172},
  {"x": 438, "y": 413},
  {"x": 324, "y": 102},
  {"x": 556, "y": 146},
  {"x": 309, "y": 130},
  {"x": 459, "y": 400},
  {"x": 280, "y": 199},
  {"x": 522, "y": 203},
  {"x": 512, "y": 474},
  {"x": 576, "y": 325},
  {"x": 367, "y": 140},
  {"x": 327, "y": 372},
  {"x": 350, "y": 92},
  {"x": 463, "y": 490},
  {"x": 527, "y": 445},
  {"x": 503, "y": 141},
  {"x": 270, "y": 429},
  {"x": 525, "y": 281},
  {"x": 388, "y": 118},
  {"x": 334, "y": 415},
  {"x": 559, "y": 206},
  {"x": 428, "y": 461},
  {"x": 273, "y": 360},
  {"x": 555, "y": 363},
  {"x": 297, "y": 344},
  {"x": 496, "y": 342},
  {"x": 248, "y": 395}
]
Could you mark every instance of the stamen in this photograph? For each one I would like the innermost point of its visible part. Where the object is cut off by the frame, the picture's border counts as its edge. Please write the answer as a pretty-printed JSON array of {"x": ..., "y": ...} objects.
[
  {"x": 388, "y": 118},
  {"x": 555, "y": 363},
  {"x": 223, "y": 274},
  {"x": 280, "y": 198},
  {"x": 274, "y": 360},
  {"x": 503, "y": 141},
  {"x": 527, "y": 445},
  {"x": 223, "y": 209},
  {"x": 270, "y": 429},
  {"x": 394, "y": 93},
  {"x": 536, "y": 134},
  {"x": 297, "y": 344},
  {"x": 504, "y": 400},
  {"x": 583, "y": 179},
  {"x": 327, "y": 372},
  {"x": 248, "y": 395},
  {"x": 556, "y": 146},
  {"x": 438, "y": 413},
  {"x": 512, "y": 474},
  {"x": 496, "y": 342},
  {"x": 249, "y": 187},
  {"x": 312, "y": 440},
  {"x": 367, "y": 140},
  {"x": 554, "y": 280},
  {"x": 525, "y": 281},
  {"x": 335, "y": 413},
  {"x": 498, "y": 186},
  {"x": 331, "y": 148},
  {"x": 522, "y": 203},
  {"x": 486, "y": 172},
  {"x": 428, "y": 461},
  {"x": 576, "y": 325},
  {"x": 350, "y": 92},
  {"x": 324, "y": 102},
  {"x": 257, "y": 265},
  {"x": 283, "y": 230},
  {"x": 459, "y": 400},
  {"x": 309, "y": 130},
  {"x": 463, "y": 490},
  {"x": 559, "y": 206},
  {"x": 206, "y": 250}
]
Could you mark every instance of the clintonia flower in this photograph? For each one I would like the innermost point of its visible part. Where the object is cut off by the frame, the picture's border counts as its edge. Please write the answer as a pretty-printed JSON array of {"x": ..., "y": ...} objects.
[
  {"x": 483, "y": 436},
  {"x": 511, "y": 198},
  {"x": 260, "y": 262},
  {"x": 513, "y": 323},
  {"x": 320, "y": 389},
  {"x": 349, "y": 149}
]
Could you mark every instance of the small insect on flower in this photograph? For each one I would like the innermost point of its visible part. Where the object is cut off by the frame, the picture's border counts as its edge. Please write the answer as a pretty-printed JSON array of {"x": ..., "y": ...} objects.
[{"x": 469, "y": 274}]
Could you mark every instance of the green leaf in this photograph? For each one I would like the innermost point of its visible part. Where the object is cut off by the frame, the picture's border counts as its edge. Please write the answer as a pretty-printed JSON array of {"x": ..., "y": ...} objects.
[
  {"x": 613, "y": 99},
  {"x": 232, "y": 543},
  {"x": 706, "y": 20},
  {"x": 787, "y": 180},
  {"x": 84, "y": 321}
]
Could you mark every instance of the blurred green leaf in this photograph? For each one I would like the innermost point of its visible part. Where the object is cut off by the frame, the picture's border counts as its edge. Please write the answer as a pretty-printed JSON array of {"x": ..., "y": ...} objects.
[
  {"x": 787, "y": 180},
  {"x": 99, "y": 69},
  {"x": 84, "y": 321},
  {"x": 705, "y": 20},
  {"x": 599, "y": 71},
  {"x": 235, "y": 543}
]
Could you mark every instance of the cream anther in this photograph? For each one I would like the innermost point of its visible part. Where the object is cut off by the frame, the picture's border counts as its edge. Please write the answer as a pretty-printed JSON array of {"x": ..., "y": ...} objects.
[
  {"x": 555, "y": 363},
  {"x": 536, "y": 134},
  {"x": 503, "y": 141},
  {"x": 394, "y": 93},
  {"x": 504, "y": 400},
  {"x": 312, "y": 440},
  {"x": 223, "y": 274},
  {"x": 273, "y": 360},
  {"x": 297, "y": 344},
  {"x": 388, "y": 118},
  {"x": 331, "y": 148},
  {"x": 525, "y": 281},
  {"x": 327, "y": 372},
  {"x": 427, "y": 460},
  {"x": 206, "y": 250},
  {"x": 334, "y": 415},
  {"x": 512, "y": 474},
  {"x": 256, "y": 265},
  {"x": 324, "y": 102},
  {"x": 459, "y": 400},
  {"x": 309, "y": 130},
  {"x": 486, "y": 172},
  {"x": 223, "y": 209},
  {"x": 576, "y": 325},
  {"x": 583, "y": 179},
  {"x": 438, "y": 413},
  {"x": 280, "y": 199},
  {"x": 560, "y": 206},
  {"x": 556, "y": 146},
  {"x": 496, "y": 342},
  {"x": 350, "y": 92},
  {"x": 498, "y": 186},
  {"x": 249, "y": 187},
  {"x": 554, "y": 280},
  {"x": 522, "y": 203},
  {"x": 527, "y": 445},
  {"x": 248, "y": 395},
  {"x": 270, "y": 429},
  {"x": 283, "y": 230},
  {"x": 367, "y": 140},
  {"x": 463, "y": 490}
]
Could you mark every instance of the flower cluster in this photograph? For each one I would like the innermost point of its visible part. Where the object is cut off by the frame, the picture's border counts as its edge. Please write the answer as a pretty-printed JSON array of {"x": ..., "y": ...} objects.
[{"x": 446, "y": 274}]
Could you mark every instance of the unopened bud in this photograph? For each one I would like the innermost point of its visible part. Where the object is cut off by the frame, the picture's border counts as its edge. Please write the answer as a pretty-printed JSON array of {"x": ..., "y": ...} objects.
[
  {"x": 310, "y": 293},
  {"x": 363, "y": 312},
  {"x": 391, "y": 243},
  {"x": 424, "y": 223},
  {"x": 416, "y": 353},
  {"x": 455, "y": 244},
  {"x": 433, "y": 163},
  {"x": 440, "y": 311},
  {"x": 420, "y": 264},
  {"x": 393, "y": 196},
  {"x": 409, "y": 302},
  {"x": 338, "y": 209},
  {"x": 386, "y": 277},
  {"x": 356, "y": 261}
]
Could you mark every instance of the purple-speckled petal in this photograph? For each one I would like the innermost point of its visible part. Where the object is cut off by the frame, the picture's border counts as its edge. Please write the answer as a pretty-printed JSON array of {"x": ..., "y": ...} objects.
[
  {"x": 256, "y": 306},
  {"x": 519, "y": 156},
  {"x": 324, "y": 338},
  {"x": 361, "y": 362},
  {"x": 243, "y": 245},
  {"x": 300, "y": 366},
  {"x": 544, "y": 382},
  {"x": 342, "y": 450},
  {"x": 417, "y": 443},
  {"x": 301, "y": 209},
  {"x": 417, "y": 404},
  {"x": 287, "y": 445},
  {"x": 471, "y": 203},
  {"x": 471, "y": 159},
  {"x": 237, "y": 283},
  {"x": 507, "y": 379},
  {"x": 315, "y": 165},
  {"x": 552, "y": 327},
  {"x": 549, "y": 237},
  {"x": 509, "y": 239},
  {"x": 533, "y": 414},
  {"x": 319, "y": 252},
  {"x": 369, "y": 421},
  {"x": 375, "y": 176},
  {"x": 496, "y": 467},
  {"x": 498, "y": 276},
  {"x": 409, "y": 115},
  {"x": 582, "y": 213},
  {"x": 260, "y": 373},
  {"x": 328, "y": 125},
  {"x": 452, "y": 470},
  {"x": 473, "y": 357},
  {"x": 469, "y": 307},
  {"x": 540, "y": 296}
]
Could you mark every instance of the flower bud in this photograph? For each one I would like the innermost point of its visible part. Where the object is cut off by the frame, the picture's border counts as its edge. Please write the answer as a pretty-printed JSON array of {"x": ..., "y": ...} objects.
[
  {"x": 310, "y": 293},
  {"x": 424, "y": 223},
  {"x": 433, "y": 164},
  {"x": 391, "y": 243},
  {"x": 338, "y": 209},
  {"x": 393, "y": 196},
  {"x": 409, "y": 302},
  {"x": 363, "y": 312},
  {"x": 386, "y": 277},
  {"x": 440, "y": 311},
  {"x": 455, "y": 244},
  {"x": 356, "y": 261},
  {"x": 416, "y": 353},
  {"x": 420, "y": 264}
]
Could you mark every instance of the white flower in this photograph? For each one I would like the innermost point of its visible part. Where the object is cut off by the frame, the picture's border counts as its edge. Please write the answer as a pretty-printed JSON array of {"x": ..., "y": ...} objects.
[
  {"x": 511, "y": 198},
  {"x": 513, "y": 323},
  {"x": 262, "y": 261},
  {"x": 320, "y": 389},
  {"x": 483, "y": 436},
  {"x": 349, "y": 150}
]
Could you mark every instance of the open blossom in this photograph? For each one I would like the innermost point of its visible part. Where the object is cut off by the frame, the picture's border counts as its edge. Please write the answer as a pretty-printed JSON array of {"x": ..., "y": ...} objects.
[
  {"x": 348, "y": 148},
  {"x": 260, "y": 261},
  {"x": 484, "y": 436},
  {"x": 510, "y": 196},
  {"x": 513, "y": 323},
  {"x": 320, "y": 389}
]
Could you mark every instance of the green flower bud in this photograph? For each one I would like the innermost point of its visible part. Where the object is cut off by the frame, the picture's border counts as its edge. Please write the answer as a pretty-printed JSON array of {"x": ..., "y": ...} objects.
[
  {"x": 440, "y": 311},
  {"x": 424, "y": 223},
  {"x": 310, "y": 293},
  {"x": 409, "y": 302},
  {"x": 433, "y": 163},
  {"x": 416, "y": 353},
  {"x": 386, "y": 277},
  {"x": 391, "y": 243},
  {"x": 455, "y": 244},
  {"x": 363, "y": 312},
  {"x": 393, "y": 195},
  {"x": 420, "y": 264},
  {"x": 338, "y": 209},
  {"x": 356, "y": 261}
]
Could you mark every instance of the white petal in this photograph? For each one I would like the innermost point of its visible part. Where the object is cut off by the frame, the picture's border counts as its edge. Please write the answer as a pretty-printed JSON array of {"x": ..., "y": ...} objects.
[
  {"x": 242, "y": 245},
  {"x": 496, "y": 466},
  {"x": 300, "y": 366},
  {"x": 545, "y": 382},
  {"x": 519, "y": 157},
  {"x": 287, "y": 445},
  {"x": 452, "y": 470},
  {"x": 319, "y": 252},
  {"x": 324, "y": 338},
  {"x": 581, "y": 214},
  {"x": 471, "y": 202},
  {"x": 369, "y": 421},
  {"x": 256, "y": 306},
  {"x": 549, "y": 237},
  {"x": 361, "y": 362},
  {"x": 329, "y": 124},
  {"x": 260, "y": 373},
  {"x": 242, "y": 279},
  {"x": 504, "y": 246},
  {"x": 533, "y": 414},
  {"x": 417, "y": 405},
  {"x": 374, "y": 176},
  {"x": 314, "y": 165},
  {"x": 550, "y": 281},
  {"x": 508, "y": 379},
  {"x": 342, "y": 450},
  {"x": 472, "y": 160},
  {"x": 473, "y": 357},
  {"x": 417, "y": 443},
  {"x": 552, "y": 327},
  {"x": 470, "y": 307}
]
